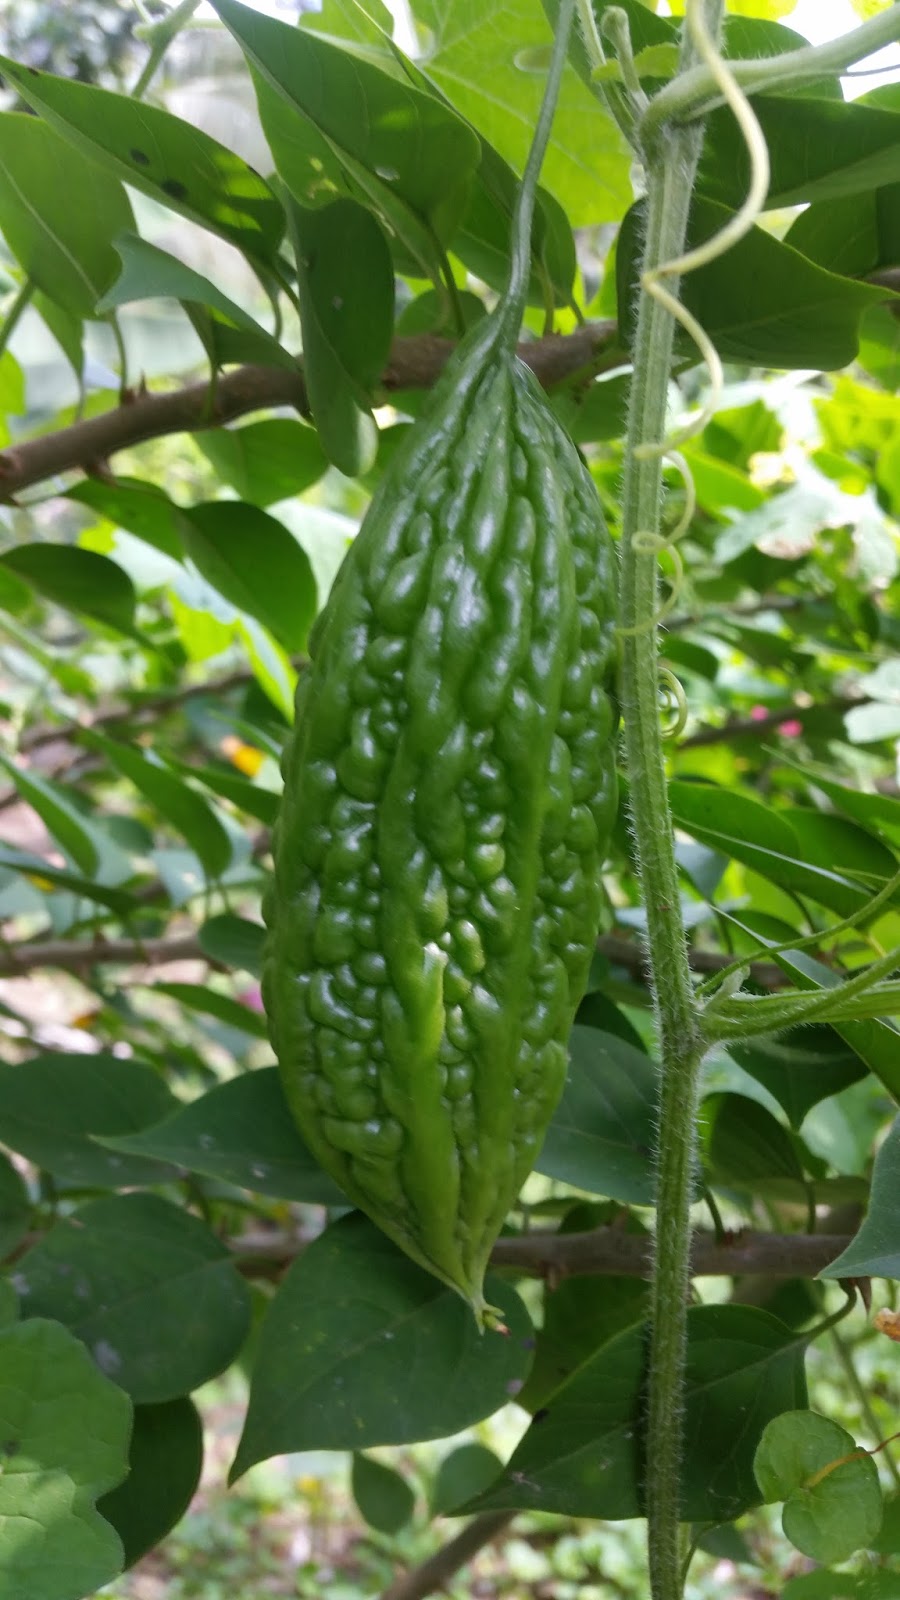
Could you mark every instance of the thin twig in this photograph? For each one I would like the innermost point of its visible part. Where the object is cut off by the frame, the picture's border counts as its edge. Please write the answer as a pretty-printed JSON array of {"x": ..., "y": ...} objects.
[
  {"x": 757, "y": 727},
  {"x": 434, "y": 1573},
  {"x": 415, "y": 363}
]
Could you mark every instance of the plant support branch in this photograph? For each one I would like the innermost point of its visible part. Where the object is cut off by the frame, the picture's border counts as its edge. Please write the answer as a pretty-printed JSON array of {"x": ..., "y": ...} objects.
[{"x": 415, "y": 363}]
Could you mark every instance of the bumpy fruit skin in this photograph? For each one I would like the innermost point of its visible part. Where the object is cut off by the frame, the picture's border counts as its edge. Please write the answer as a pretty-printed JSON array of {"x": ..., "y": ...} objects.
[{"x": 449, "y": 789}]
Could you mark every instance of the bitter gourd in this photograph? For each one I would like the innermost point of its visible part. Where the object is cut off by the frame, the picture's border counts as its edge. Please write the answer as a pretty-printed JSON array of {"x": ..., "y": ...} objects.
[{"x": 449, "y": 788}]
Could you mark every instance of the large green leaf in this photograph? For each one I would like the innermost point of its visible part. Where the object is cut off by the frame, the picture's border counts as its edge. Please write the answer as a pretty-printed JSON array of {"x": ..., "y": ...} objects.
[
  {"x": 78, "y": 580},
  {"x": 65, "y": 1432},
  {"x": 187, "y": 812},
  {"x": 602, "y": 1132},
  {"x": 51, "y": 1106},
  {"x": 852, "y": 234},
  {"x": 800, "y": 1067},
  {"x": 875, "y": 1250},
  {"x": 251, "y": 559},
  {"x": 360, "y": 1347},
  {"x": 164, "y": 1464},
  {"x": 408, "y": 154},
  {"x": 142, "y": 508},
  {"x": 480, "y": 54},
  {"x": 762, "y": 303},
  {"x": 240, "y": 1132},
  {"x": 59, "y": 212},
  {"x": 265, "y": 461},
  {"x": 581, "y": 1456},
  {"x": 345, "y": 285},
  {"x": 146, "y": 1286},
  {"x": 149, "y": 273},
  {"x": 175, "y": 163}
]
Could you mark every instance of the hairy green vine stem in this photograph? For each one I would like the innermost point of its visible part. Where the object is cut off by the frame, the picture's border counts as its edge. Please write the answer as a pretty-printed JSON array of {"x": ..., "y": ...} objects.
[{"x": 670, "y": 165}]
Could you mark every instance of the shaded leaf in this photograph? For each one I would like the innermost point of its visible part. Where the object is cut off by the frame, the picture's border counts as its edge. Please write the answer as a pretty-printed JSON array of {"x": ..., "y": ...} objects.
[
  {"x": 265, "y": 461},
  {"x": 253, "y": 561},
  {"x": 51, "y": 1106},
  {"x": 240, "y": 1132},
  {"x": 175, "y": 163},
  {"x": 236, "y": 941},
  {"x": 78, "y": 580},
  {"x": 466, "y": 1472},
  {"x": 15, "y": 1208},
  {"x": 383, "y": 1498},
  {"x": 141, "y": 508},
  {"x": 148, "y": 1289},
  {"x": 67, "y": 825},
  {"x": 211, "y": 1003},
  {"x": 185, "y": 810},
  {"x": 360, "y": 1347},
  {"x": 602, "y": 1132},
  {"x": 874, "y": 1252},
  {"x": 59, "y": 212},
  {"x": 800, "y": 1067},
  {"x": 164, "y": 1464}
]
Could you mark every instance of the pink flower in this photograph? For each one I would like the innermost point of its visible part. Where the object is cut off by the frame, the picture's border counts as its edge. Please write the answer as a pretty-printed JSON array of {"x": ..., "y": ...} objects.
[
  {"x": 791, "y": 729},
  {"x": 252, "y": 998},
  {"x": 758, "y": 714}
]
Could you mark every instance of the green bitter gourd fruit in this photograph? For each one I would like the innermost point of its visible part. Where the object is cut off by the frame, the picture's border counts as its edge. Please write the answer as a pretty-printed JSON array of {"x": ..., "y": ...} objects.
[{"x": 449, "y": 788}]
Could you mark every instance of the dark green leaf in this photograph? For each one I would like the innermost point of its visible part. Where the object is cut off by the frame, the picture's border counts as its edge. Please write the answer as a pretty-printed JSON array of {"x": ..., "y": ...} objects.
[
  {"x": 211, "y": 1003},
  {"x": 240, "y": 1132},
  {"x": 149, "y": 273},
  {"x": 165, "y": 1461},
  {"x": 820, "y": 150},
  {"x": 78, "y": 580},
  {"x": 48, "y": 878},
  {"x": 249, "y": 797},
  {"x": 601, "y": 1136},
  {"x": 581, "y": 1455},
  {"x": 746, "y": 1144},
  {"x": 256, "y": 564},
  {"x": 873, "y": 1040},
  {"x": 361, "y": 1347},
  {"x": 146, "y": 1286},
  {"x": 235, "y": 941},
  {"x": 383, "y": 1498},
  {"x": 462, "y": 1475},
  {"x": 265, "y": 461},
  {"x": 141, "y": 508},
  {"x": 800, "y": 1067},
  {"x": 763, "y": 303},
  {"x": 65, "y": 1432},
  {"x": 59, "y": 212},
  {"x": 580, "y": 1315},
  {"x": 875, "y": 1250},
  {"x": 51, "y": 1105},
  {"x": 67, "y": 825},
  {"x": 15, "y": 1208},
  {"x": 175, "y": 163},
  {"x": 185, "y": 810}
]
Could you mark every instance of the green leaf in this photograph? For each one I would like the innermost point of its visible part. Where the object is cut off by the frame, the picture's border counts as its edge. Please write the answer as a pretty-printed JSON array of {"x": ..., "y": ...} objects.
[
  {"x": 874, "y": 1252},
  {"x": 15, "y": 1208},
  {"x": 148, "y": 1289},
  {"x": 164, "y": 1465},
  {"x": 65, "y": 1432},
  {"x": 762, "y": 304},
  {"x": 51, "y": 1106},
  {"x": 235, "y": 941},
  {"x": 582, "y": 1456},
  {"x": 149, "y": 273},
  {"x": 820, "y": 149},
  {"x": 256, "y": 564},
  {"x": 383, "y": 1498},
  {"x": 821, "y": 1585},
  {"x": 66, "y": 328},
  {"x": 853, "y": 234},
  {"x": 360, "y": 1347},
  {"x": 345, "y": 284},
  {"x": 47, "y": 878},
  {"x": 800, "y": 1067},
  {"x": 211, "y": 1003},
  {"x": 67, "y": 825},
  {"x": 185, "y": 810},
  {"x": 141, "y": 508},
  {"x": 465, "y": 1472},
  {"x": 602, "y": 1132},
  {"x": 78, "y": 580},
  {"x": 746, "y": 1144},
  {"x": 58, "y": 213},
  {"x": 249, "y": 797},
  {"x": 265, "y": 461},
  {"x": 580, "y": 1315},
  {"x": 177, "y": 164},
  {"x": 761, "y": 838},
  {"x": 874, "y": 1041},
  {"x": 241, "y": 1132},
  {"x": 479, "y": 51},
  {"x": 410, "y": 156},
  {"x": 832, "y": 1505}
]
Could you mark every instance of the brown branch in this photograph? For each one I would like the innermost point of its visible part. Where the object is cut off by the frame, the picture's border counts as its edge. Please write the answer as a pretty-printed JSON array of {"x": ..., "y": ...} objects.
[
  {"x": 606, "y": 1252},
  {"x": 438, "y": 1569},
  {"x": 78, "y": 955},
  {"x": 757, "y": 728},
  {"x": 415, "y": 363}
]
